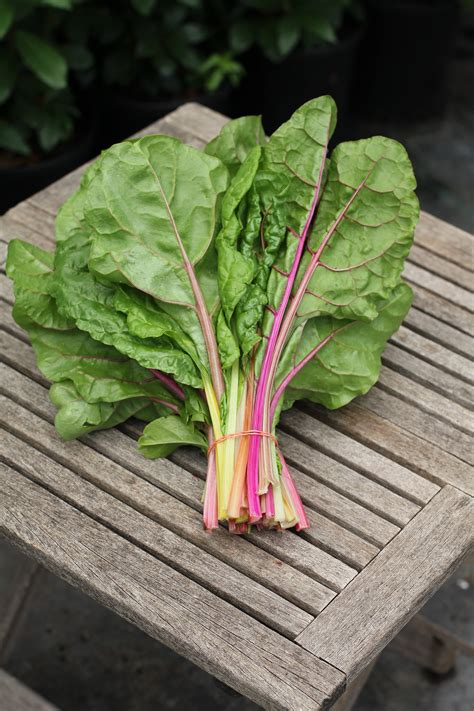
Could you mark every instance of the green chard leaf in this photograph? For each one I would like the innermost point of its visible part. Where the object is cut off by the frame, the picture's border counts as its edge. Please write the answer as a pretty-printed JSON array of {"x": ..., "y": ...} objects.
[
  {"x": 99, "y": 372},
  {"x": 161, "y": 237},
  {"x": 204, "y": 292},
  {"x": 64, "y": 352},
  {"x": 76, "y": 417},
  {"x": 165, "y": 434},
  {"x": 31, "y": 270},
  {"x": 236, "y": 140},
  {"x": 236, "y": 270},
  {"x": 290, "y": 174},
  {"x": 371, "y": 209},
  {"x": 110, "y": 314},
  {"x": 349, "y": 364}
]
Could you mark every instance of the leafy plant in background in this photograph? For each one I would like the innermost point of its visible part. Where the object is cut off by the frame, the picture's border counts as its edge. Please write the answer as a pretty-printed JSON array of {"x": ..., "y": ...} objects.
[
  {"x": 38, "y": 52},
  {"x": 277, "y": 27},
  {"x": 205, "y": 291},
  {"x": 168, "y": 48}
]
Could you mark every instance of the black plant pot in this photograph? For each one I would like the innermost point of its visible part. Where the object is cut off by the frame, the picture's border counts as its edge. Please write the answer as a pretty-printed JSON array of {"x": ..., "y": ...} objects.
[
  {"x": 22, "y": 179},
  {"x": 278, "y": 89},
  {"x": 125, "y": 114},
  {"x": 405, "y": 57}
]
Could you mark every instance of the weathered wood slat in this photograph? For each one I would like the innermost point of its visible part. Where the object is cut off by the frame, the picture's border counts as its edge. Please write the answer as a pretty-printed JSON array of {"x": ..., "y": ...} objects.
[
  {"x": 354, "y": 454},
  {"x": 383, "y": 597},
  {"x": 9, "y": 325},
  {"x": 400, "y": 445},
  {"x": 440, "y": 332},
  {"x": 437, "y": 285},
  {"x": 438, "y": 307},
  {"x": 164, "y": 509},
  {"x": 420, "y": 371},
  {"x": 3, "y": 253},
  {"x": 338, "y": 541},
  {"x": 165, "y": 604},
  {"x": 437, "y": 265},
  {"x": 36, "y": 219},
  {"x": 370, "y": 494},
  {"x": 15, "y": 696},
  {"x": 426, "y": 399},
  {"x": 142, "y": 529},
  {"x": 419, "y": 422},
  {"x": 11, "y": 229},
  {"x": 6, "y": 290},
  {"x": 434, "y": 353},
  {"x": 447, "y": 241}
]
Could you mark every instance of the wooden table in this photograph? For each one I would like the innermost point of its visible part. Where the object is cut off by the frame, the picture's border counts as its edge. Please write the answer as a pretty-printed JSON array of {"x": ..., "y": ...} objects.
[{"x": 288, "y": 620}]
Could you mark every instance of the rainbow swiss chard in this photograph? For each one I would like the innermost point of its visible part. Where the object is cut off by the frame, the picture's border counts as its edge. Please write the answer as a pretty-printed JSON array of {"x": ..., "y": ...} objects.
[{"x": 205, "y": 291}]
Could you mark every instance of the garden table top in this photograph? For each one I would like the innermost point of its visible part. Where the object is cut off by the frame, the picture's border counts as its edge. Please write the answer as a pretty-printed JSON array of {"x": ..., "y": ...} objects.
[{"x": 286, "y": 619}]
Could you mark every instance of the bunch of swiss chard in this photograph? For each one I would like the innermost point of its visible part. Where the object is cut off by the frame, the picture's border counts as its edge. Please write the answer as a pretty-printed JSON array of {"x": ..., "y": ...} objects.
[{"x": 205, "y": 291}]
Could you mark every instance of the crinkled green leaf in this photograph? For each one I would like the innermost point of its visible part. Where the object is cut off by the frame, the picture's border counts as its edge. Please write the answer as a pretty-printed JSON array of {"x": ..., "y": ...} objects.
[
  {"x": 194, "y": 407},
  {"x": 146, "y": 320},
  {"x": 236, "y": 270},
  {"x": 235, "y": 141},
  {"x": 31, "y": 270},
  {"x": 77, "y": 417},
  {"x": 165, "y": 434},
  {"x": 228, "y": 348},
  {"x": 153, "y": 210},
  {"x": 285, "y": 186},
  {"x": 349, "y": 364},
  {"x": 370, "y": 191},
  {"x": 99, "y": 372},
  {"x": 94, "y": 305}
]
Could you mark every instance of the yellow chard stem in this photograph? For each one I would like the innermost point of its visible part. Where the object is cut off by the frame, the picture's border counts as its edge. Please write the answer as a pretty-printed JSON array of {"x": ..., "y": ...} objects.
[{"x": 215, "y": 414}]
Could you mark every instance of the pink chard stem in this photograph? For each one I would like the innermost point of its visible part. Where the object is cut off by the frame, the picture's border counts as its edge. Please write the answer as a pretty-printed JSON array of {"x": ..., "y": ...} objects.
[
  {"x": 289, "y": 377},
  {"x": 289, "y": 486},
  {"x": 254, "y": 452},
  {"x": 169, "y": 383}
]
